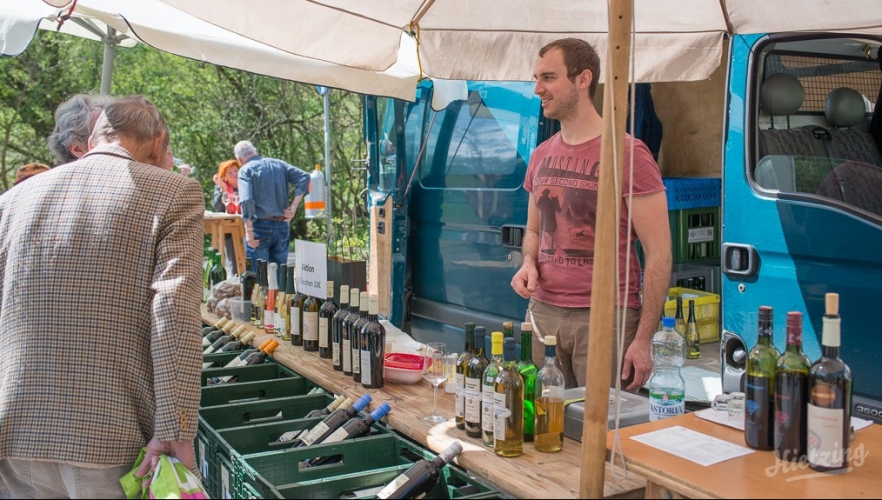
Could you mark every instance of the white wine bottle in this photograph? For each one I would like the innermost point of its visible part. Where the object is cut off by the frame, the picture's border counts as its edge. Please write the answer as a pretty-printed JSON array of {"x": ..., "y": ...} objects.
[{"x": 508, "y": 406}]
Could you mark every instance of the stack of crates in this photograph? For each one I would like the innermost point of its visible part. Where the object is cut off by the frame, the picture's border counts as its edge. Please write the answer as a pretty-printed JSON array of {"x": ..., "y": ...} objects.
[{"x": 694, "y": 216}]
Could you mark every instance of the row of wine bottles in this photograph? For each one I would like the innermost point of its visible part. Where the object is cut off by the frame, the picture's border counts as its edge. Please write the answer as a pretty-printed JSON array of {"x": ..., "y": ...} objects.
[
  {"x": 799, "y": 409},
  {"x": 687, "y": 329},
  {"x": 349, "y": 334}
]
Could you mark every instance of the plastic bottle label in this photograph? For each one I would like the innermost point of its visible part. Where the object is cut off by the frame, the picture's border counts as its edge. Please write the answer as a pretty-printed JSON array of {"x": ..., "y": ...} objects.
[
  {"x": 472, "y": 400},
  {"x": 824, "y": 443},
  {"x": 323, "y": 333},
  {"x": 459, "y": 406},
  {"x": 487, "y": 400},
  {"x": 315, "y": 433},
  {"x": 366, "y": 364},
  {"x": 500, "y": 416},
  {"x": 663, "y": 405},
  {"x": 347, "y": 356},
  {"x": 310, "y": 325},
  {"x": 390, "y": 488}
]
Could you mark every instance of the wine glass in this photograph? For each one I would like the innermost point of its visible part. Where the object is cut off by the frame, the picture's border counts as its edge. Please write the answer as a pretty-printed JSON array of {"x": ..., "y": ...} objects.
[
  {"x": 435, "y": 372},
  {"x": 225, "y": 199}
]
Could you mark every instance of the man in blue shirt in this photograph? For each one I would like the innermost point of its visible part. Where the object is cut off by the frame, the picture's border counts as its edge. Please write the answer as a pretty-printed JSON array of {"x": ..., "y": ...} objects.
[{"x": 263, "y": 195}]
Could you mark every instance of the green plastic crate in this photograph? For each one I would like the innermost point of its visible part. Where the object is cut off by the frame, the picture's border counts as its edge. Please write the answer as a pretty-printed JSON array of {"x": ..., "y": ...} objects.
[
  {"x": 219, "y": 360},
  {"x": 223, "y": 394},
  {"x": 695, "y": 234},
  {"x": 250, "y": 373}
]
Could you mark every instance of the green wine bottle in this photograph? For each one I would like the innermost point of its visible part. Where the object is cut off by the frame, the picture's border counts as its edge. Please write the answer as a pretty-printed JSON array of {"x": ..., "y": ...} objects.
[
  {"x": 528, "y": 370},
  {"x": 473, "y": 387},
  {"x": 759, "y": 386},
  {"x": 692, "y": 339}
]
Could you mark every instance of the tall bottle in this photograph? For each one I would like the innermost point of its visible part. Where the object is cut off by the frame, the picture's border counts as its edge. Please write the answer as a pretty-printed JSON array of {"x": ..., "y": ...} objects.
[
  {"x": 269, "y": 310},
  {"x": 216, "y": 334},
  {"x": 249, "y": 357},
  {"x": 353, "y": 428},
  {"x": 679, "y": 324},
  {"x": 326, "y": 318},
  {"x": 219, "y": 324},
  {"x": 232, "y": 346},
  {"x": 507, "y": 330},
  {"x": 355, "y": 335},
  {"x": 310, "y": 331},
  {"x": 528, "y": 371},
  {"x": 341, "y": 402},
  {"x": 421, "y": 476},
  {"x": 667, "y": 389},
  {"x": 289, "y": 295},
  {"x": 550, "y": 385},
  {"x": 248, "y": 281},
  {"x": 337, "y": 329},
  {"x": 693, "y": 341},
  {"x": 218, "y": 273},
  {"x": 759, "y": 386},
  {"x": 332, "y": 422},
  {"x": 281, "y": 303},
  {"x": 791, "y": 394},
  {"x": 296, "y": 311},
  {"x": 508, "y": 406},
  {"x": 462, "y": 363},
  {"x": 373, "y": 346},
  {"x": 260, "y": 356},
  {"x": 488, "y": 388},
  {"x": 260, "y": 294},
  {"x": 345, "y": 340},
  {"x": 473, "y": 387},
  {"x": 224, "y": 340},
  {"x": 206, "y": 274},
  {"x": 829, "y": 398}
]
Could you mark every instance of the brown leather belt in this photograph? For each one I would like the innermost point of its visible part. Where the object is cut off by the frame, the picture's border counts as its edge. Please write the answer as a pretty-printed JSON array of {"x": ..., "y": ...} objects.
[{"x": 275, "y": 219}]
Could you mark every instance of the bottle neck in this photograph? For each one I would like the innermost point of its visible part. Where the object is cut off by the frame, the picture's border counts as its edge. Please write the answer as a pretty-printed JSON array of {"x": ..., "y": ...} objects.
[
  {"x": 527, "y": 346},
  {"x": 470, "y": 340},
  {"x": 829, "y": 351},
  {"x": 479, "y": 348},
  {"x": 550, "y": 355}
]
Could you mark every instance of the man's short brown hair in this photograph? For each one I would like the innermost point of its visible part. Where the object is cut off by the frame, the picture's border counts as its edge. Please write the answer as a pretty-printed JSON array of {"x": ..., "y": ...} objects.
[
  {"x": 578, "y": 55},
  {"x": 29, "y": 170}
]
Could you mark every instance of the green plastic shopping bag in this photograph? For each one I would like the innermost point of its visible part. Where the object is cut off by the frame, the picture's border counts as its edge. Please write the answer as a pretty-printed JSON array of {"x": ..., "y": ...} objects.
[{"x": 170, "y": 480}]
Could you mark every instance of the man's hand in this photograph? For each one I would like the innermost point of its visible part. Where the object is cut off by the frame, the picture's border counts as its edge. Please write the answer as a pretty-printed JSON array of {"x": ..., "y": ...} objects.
[
  {"x": 524, "y": 281},
  {"x": 182, "y": 450},
  {"x": 288, "y": 214},
  {"x": 637, "y": 357},
  {"x": 251, "y": 239}
]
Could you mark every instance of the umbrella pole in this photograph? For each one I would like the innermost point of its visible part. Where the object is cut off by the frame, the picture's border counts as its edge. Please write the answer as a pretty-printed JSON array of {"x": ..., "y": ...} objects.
[
  {"x": 603, "y": 295},
  {"x": 107, "y": 68}
]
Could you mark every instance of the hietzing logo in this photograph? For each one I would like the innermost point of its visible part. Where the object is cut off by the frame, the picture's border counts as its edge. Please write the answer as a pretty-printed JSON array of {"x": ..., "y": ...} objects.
[{"x": 870, "y": 411}]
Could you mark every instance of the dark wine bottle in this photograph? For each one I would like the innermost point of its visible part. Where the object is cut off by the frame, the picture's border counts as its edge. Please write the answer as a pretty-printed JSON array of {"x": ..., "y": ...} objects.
[
  {"x": 219, "y": 324},
  {"x": 759, "y": 386},
  {"x": 355, "y": 335},
  {"x": 326, "y": 318},
  {"x": 239, "y": 344},
  {"x": 296, "y": 312},
  {"x": 249, "y": 357},
  {"x": 473, "y": 386},
  {"x": 341, "y": 402},
  {"x": 332, "y": 422},
  {"x": 461, "y": 363},
  {"x": 373, "y": 347},
  {"x": 346, "y": 340},
  {"x": 352, "y": 429},
  {"x": 224, "y": 340},
  {"x": 421, "y": 476},
  {"x": 829, "y": 398},
  {"x": 337, "y": 329},
  {"x": 218, "y": 273},
  {"x": 216, "y": 334},
  {"x": 248, "y": 281},
  {"x": 791, "y": 394},
  {"x": 310, "y": 332}
]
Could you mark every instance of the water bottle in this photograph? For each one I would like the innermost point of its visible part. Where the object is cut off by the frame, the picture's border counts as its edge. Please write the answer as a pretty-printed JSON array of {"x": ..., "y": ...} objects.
[
  {"x": 667, "y": 389},
  {"x": 315, "y": 199}
]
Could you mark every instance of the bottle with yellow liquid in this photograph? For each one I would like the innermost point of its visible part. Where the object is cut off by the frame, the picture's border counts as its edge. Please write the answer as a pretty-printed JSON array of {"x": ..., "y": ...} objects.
[
  {"x": 488, "y": 388},
  {"x": 549, "y": 403},
  {"x": 508, "y": 406}
]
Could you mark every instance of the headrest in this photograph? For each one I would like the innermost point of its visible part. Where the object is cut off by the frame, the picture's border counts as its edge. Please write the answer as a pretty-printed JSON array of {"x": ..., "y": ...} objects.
[
  {"x": 845, "y": 107},
  {"x": 781, "y": 94}
]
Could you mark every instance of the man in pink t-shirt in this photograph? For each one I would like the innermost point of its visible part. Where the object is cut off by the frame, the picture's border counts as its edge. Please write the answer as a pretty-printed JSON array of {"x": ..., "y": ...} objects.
[{"x": 558, "y": 247}]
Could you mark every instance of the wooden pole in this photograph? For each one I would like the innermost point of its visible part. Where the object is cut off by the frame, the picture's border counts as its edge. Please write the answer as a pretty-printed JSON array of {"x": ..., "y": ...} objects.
[{"x": 603, "y": 290}]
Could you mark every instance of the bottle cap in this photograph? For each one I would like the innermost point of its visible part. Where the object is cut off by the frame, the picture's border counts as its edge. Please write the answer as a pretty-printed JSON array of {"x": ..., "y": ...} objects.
[
  {"x": 363, "y": 301},
  {"x": 526, "y": 327},
  {"x": 469, "y": 324},
  {"x": 667, "y": 322},
  {"x": 831, "y": 304},
  {"x": 373, "y": 305},
  {"x": 346, "y": 403},
  {"x": 246, "y": 339},
  {"x": 271, "y": 347},
  {"x": 344, "y": 294},
  {"x": 362, "y": 402},
  {"x": 330, "y": 292},
  {"x": 508, "y": 325},
  {"x": 550, "y": 340},
  {"x": 353, "y": 297},
  {"x": 765, "y": 313},
  {"x": 381, "y": 411},
  {"x": 509, "y": 349},
  {"x": 480, "y": 332},
  {"x": 264, "y": 344}
]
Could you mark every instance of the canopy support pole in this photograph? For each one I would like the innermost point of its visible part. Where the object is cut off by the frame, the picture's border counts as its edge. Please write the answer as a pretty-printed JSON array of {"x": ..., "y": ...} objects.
[{"x": 110, "y": 42}]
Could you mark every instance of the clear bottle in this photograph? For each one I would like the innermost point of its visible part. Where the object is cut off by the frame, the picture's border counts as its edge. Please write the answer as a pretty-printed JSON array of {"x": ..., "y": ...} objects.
[
  {"x": 693, "y": 341},
  {"x": 461, "y": 363},
  {"x": 791, "y": 394},
  {"x": 326, "y": 318},
  {"x": 488, "y": 388},
  {"x": 281, "y": 306},
  {"x": 759, "y": 386},
  {"x": 667, "y": 389},
  {"x": 372, "y": 339},
  {"x": 337, "y": 329},
  {"x": 473, "y": 387},
  {"x": 289, "y": 295},
  {"x": 679, "y": 323},
  {"x": 508, "y": 406},
  {"x": 829, "y": 403},
  {"x": 549, "y": 409},
  {"x": 269, "y": 308},
  {"x": 528, "y": 371},
  {"x": 348, "y": 322}
]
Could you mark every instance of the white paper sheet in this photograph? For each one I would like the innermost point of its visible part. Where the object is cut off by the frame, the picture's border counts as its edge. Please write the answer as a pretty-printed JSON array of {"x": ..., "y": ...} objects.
[
  {"x": 693, "y": 446},
  {"x": 721, "y": 417}
]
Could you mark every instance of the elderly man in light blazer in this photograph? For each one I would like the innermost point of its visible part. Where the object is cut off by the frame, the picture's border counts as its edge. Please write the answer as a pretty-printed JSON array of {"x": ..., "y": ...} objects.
[{"x": 100, "y": 283}]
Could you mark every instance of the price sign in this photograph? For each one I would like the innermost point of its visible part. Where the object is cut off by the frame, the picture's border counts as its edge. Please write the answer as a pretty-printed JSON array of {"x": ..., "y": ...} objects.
[{"x": 311, "y": 267}]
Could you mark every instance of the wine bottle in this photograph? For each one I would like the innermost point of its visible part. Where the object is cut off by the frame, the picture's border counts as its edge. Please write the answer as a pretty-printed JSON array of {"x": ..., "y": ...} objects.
[
  {"x": 248, "y": 281},
  {"x": 507, "y": 330},
  {"x": 421, "y": 476},
  {"x": 348, "y": 321},
  {"x": 508, "y": 406},
  {"x": 282, "y": 307},
  {"x": 260, "y": 292},
  {"x": 260, "y": 356},
  {"x": 550, "y": 385},
  {"x": 216, "y": 334},
  {"x": 488, "y": 388},
  {"x": 829, "y": 398},
  {"x": 355, "y": 335},
  {"x": 759, "y": 386},
  {"x": 373, "y": 346},
  {"x": 241, "y": 360},
  {"x": 326, "y": 318},
  {"x": 233, "y": 346},
  {"x": 692, "y": 338},
  {"x": 337, "y": 329},
  {"x": 269, "y": 309},
  {"x": 528, "y": 371},
  {"x": 340, "y": 402},
  {"x": 462, "y": 363},
  {"x": 296, "y": 311},
  {"x": 224, "y": 340},
  {"x": 289, "y": 295},
  {"x": 206, "y": 274},
  {"x": 473, "y": 387},
  {"x": 791, "y": 394},
  {"x": 353, "y": 428},
  {"x": 219, "y": 324},
  {"x": 332, "y": 422},
  {"x": 679, "y": 323},
  {"x": 310, "y": 331},
  {"x": 218, "y": 273}
]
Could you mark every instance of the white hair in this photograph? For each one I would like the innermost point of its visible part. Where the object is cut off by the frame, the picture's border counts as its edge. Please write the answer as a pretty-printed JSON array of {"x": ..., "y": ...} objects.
[{"x": 244, "y": 150}]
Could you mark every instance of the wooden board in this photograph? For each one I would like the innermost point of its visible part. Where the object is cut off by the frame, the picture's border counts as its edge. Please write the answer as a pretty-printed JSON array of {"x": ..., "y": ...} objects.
[
  {"x": 532, "y": 475},
  {"x": 380, "y": 268}
]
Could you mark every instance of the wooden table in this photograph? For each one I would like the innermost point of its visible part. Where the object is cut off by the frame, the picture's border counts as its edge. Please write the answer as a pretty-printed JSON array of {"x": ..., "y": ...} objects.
[
  {"x": 219, "y": 225},
  {"x": 532, "y": 475},
  {"x": 751, "y": 476}
]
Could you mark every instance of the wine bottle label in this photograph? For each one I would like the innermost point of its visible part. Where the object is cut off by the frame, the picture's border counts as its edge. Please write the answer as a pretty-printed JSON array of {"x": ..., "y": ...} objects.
[
  {"x": 203, "y": 459},
  {"x": 825, "y": 432},
  {"x": 473, "y": 400},
  {"x": 336, "y": 436},
  {"x": 501, "y": 412},
  {"x": 295, "y": 321},
  {"x": 206, "y": 365},
  {"x": 356, "y": 359},
  {"x": 315, "y": 433},
  {"x": 310, "y": 326},
  {"x": 487, "y": 392},
  {"x": 366, "y": 364},
  {"x": 205, "y": 342},
  {"x": 323, "y": 333},
  {"x": 283, "y": 322},
  {"x": 459, "y": 406},
  {"x": 225, "y": 483},
  {"x": 289, "y": 436},
  {"x": 269, "y": 319},
  {"x": 663, "y": 405},
  {"x": 392, "y": 487},
  {"x": 347, "y": 356},
  {"x": 335, "y": 353}
]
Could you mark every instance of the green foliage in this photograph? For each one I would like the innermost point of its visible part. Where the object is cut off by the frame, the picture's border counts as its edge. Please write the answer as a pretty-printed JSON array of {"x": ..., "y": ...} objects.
[{"x": 208, "y": 109}]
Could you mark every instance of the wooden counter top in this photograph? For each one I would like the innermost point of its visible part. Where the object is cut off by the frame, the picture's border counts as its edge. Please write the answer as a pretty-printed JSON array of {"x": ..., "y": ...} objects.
[{"x": 532, "y": 475}]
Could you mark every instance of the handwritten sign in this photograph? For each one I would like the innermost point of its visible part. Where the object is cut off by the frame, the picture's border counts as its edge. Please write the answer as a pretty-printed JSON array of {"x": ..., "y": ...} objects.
[{"x": 311, "y": 261}]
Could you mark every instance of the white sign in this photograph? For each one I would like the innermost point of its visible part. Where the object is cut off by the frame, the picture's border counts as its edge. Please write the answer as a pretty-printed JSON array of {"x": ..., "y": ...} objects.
[{"x": 311, "y": 268}]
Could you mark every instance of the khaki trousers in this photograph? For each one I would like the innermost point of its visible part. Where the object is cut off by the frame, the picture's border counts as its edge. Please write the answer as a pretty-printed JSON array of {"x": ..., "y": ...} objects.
[
  {"x": 570, "y": 326},
  {"x": 40, "y": 479}
]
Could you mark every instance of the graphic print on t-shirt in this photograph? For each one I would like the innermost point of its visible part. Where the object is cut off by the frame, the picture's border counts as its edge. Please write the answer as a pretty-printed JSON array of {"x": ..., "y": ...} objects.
[{"x": 566, "y": 199}]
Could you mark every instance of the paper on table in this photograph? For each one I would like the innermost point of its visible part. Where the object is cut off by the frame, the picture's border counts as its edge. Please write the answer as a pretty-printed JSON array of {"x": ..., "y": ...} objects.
[
  {"x": 693, "y": 446},
  {"x": 721, "y": 417}
]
